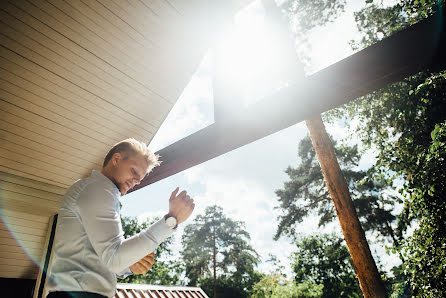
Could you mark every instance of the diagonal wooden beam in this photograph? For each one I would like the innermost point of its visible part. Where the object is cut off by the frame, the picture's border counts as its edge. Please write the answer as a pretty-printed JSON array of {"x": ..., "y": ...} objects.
[{"x": 419, "y": 47}]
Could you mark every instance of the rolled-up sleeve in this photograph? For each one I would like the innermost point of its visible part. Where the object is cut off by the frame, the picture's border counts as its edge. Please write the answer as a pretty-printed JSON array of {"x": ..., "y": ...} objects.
[{"x": 102, "y": 225}]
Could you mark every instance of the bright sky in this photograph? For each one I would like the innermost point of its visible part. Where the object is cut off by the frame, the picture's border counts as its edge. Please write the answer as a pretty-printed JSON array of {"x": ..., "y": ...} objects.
[{"x": 243, "y": 181}]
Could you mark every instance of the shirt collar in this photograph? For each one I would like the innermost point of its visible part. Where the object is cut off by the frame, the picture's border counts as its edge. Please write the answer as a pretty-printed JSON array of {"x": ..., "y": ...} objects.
[{"x": 98, "y": 174}]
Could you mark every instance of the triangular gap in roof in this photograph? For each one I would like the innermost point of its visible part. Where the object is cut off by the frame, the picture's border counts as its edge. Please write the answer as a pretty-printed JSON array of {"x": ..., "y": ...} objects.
[{"x": 249, "y": 65}]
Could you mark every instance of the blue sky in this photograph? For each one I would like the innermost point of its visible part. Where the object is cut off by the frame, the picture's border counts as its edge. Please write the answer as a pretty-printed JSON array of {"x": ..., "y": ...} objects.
[{"x": 243, "y": 181}]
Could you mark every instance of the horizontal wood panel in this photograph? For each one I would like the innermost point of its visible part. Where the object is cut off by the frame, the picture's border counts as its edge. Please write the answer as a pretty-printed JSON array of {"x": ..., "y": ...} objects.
[
  {"x": 11, "y": 119},
  {"x": 16, "y": 172},
  {"x": 6, "y": 239},
  {"x": 28, "y": 207},
  {"x": 42, "y": 157},
  {"x": 54, "y": 97},
  {"x": 9, "y": 271},
  {"x": 12, "y": 104},
  {"x": 20, "y": 229},
  {"x": 21, "y": 237},
  {"x": 71, "y": 89},
  {"x": 65, "y": 51},
  {"x": 46, "y": 109},
  {"x": 5, "y": 177},
  {"x": 47, "y": 204},
  {"x": 36, "y": 172},
  {"x": 50, "y": 82},
  {"x": 18, "y": 256},
  {"x": 16, "y": 222},
  {"x": 17, "y": 251},
  {"x": 107, "y": 29},
  {"x": 32, "y": 162},
  {"x": 26, "y": 217},
  {"x": 141, "y": 51},
  {"x": 127, "y": 50},
  {"x": 63, "y": 23},
  {"x": 78, "y": 79},
  {"x": 34, "y": 192},
  {"x": 38, "y": 143},
  {"x": 63, "y": 66},
  {"x": 15, "y": 262}
]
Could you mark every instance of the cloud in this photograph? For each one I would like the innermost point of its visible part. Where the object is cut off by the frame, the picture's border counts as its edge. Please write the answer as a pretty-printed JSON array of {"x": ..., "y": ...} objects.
[
  {"x": 247, "y": 200},
  {"x": 192, "y": 112}
]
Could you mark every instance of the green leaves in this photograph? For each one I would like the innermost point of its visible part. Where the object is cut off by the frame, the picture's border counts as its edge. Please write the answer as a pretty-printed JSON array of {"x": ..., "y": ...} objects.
[
  {"x": 165, "y": 271},
  {"x": 435, "y": 131},
  {"x": 216, "y": 243},
  {"x": 305, "y": 193},
  {"x": 324, "y": 259}
]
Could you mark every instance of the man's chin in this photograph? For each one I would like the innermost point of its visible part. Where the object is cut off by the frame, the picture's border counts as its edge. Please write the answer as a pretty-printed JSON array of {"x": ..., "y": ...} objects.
[{"x": 123, "y": 189}]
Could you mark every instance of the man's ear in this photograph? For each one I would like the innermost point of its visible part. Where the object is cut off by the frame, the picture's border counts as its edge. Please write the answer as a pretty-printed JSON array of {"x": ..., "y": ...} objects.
[{"x": 116, "y": 158}]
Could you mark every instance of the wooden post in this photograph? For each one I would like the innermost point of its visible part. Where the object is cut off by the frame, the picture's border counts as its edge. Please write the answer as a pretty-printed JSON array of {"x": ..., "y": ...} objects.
[
  {"x": 365, "y": 267},
  {"x": 47, "y": 257}
]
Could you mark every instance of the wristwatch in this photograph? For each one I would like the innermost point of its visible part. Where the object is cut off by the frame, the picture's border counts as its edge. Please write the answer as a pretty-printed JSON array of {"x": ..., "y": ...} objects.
[{"x": 171, "y": 221}]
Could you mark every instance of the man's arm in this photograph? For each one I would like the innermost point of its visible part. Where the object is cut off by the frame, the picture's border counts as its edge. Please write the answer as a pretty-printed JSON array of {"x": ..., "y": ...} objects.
[
  {"x": 103, "y": 227},
  {"x": 102, "y": 224}
]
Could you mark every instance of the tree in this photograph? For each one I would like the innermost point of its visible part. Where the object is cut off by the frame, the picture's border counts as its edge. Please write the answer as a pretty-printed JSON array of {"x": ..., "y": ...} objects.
[
  {"x": 304, "y": 16},
  {"x": 165, "y": 271},
  {"x": 306, "y": 193},
  {"x": 365, "y": 266},
  {"x": 218, "y": 256},
  {"x": 276, "y": 286},
  {"x": 405, "y": 123},
  {"x": 324, "y": 259}
]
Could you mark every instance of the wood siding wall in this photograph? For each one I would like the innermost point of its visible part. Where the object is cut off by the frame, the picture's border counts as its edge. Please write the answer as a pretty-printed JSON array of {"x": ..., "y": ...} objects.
[{"x": 26, "y": 206}]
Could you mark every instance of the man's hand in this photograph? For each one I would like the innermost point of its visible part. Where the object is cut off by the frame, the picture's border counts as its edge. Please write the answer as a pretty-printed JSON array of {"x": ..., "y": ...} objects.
[
  {"x": 143, "y": 265},
  {"x": 180, "y": 206}
]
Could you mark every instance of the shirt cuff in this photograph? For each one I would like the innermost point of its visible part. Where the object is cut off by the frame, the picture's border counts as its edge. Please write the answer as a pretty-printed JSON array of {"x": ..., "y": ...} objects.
[
  {"x": 161, "y": 230},
  {"x": 124, "y": 273}
]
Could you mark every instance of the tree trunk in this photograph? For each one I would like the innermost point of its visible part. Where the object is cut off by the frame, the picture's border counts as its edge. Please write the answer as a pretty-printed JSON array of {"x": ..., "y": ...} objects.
[{"x": 365, "y": 267}]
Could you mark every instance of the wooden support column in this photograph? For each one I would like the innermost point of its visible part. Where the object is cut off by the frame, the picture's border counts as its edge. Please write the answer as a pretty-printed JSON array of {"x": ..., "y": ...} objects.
[
  {"x": 365, "y": 267},
  {"x": 47, "y": 257}
]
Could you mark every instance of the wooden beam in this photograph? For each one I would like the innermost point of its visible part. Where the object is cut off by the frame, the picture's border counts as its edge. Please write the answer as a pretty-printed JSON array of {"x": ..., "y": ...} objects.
[{"x": 419, "y": 47}]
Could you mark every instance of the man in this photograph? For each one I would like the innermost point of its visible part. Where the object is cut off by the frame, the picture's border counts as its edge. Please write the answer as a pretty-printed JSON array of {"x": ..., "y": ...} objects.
[{"x": 90, "y": 250}]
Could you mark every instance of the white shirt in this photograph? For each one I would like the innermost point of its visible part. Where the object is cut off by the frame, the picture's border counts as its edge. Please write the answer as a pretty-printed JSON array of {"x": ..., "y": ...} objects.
[{"x": 89, "y": 248}]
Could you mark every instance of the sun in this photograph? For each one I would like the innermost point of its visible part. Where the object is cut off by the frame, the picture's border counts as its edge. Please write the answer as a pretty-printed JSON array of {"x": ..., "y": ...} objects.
[{"x": 250, "y": 56}]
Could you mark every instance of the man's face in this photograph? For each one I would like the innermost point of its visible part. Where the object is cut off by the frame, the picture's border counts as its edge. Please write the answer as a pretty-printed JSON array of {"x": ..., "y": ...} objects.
[{"x": 128, "y": 172}]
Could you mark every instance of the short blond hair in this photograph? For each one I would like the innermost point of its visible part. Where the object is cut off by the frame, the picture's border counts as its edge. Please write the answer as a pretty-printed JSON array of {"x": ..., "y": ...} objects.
[{"x": 130, "y": 148}]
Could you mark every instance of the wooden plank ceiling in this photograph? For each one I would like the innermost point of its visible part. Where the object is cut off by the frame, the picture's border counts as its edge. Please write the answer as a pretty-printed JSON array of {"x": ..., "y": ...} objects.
[{"x": 75, "y": 78}]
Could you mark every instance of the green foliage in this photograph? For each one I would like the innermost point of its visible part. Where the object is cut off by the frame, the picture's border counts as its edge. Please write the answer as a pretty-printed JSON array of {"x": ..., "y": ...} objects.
[
  {"x": 275, "y": 286},
  {"x": 305, "y": 15},
  {"x": 400, "y": 121},
  {"x": 420, "y": 9},
  {"x": 163, "y": 272},
  {"x": 416, "y": 10},
  {"x": 324, "y": 259},
  {"x": 404, "y": 123},
  {"x": 375, "y": 23},
  {"x": 216, "y": 243},
  {"x": 310, "y": 14},
  {"x": 425, "y": 250},
  {"x": 306, "y": 193}
]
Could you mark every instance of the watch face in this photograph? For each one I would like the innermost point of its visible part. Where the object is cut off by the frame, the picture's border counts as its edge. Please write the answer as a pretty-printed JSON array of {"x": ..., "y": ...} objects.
[{"x": 171, "y": 222}]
